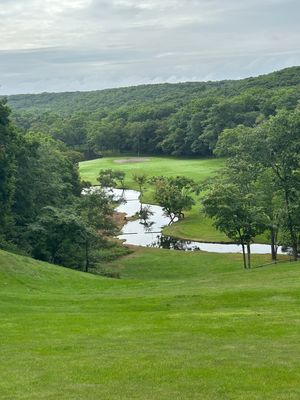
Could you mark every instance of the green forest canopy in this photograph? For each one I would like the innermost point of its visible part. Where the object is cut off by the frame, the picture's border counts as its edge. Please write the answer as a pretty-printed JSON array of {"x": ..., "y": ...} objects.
[{"x": 183, "y": 119}]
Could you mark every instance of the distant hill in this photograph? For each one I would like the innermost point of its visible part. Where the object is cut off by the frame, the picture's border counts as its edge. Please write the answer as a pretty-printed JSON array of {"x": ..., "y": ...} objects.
[
  {"x": 183, "y": 119},
  {"x": 71, "y": 102}
]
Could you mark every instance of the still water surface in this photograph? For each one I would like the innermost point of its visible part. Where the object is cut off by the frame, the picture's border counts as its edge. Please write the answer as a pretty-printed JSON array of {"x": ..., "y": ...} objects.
[{"x": 147, "y": 232}]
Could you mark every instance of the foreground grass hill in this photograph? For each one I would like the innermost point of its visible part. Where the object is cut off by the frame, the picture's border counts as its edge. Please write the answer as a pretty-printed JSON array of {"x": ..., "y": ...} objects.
[{"x": 177, "y": 325}]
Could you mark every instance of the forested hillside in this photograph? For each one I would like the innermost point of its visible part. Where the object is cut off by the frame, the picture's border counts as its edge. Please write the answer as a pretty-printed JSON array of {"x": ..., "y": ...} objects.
[
  {"x": 182, "y": 119},
  {"x": 42, "y": 212}
]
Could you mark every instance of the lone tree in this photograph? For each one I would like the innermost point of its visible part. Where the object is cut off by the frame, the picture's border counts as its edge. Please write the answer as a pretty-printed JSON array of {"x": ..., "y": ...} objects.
[
  {"x": 234, "y": 214},
  {"x": 174, "y": 195},
  {"x": 111, "y": 178},
  {"x": 141, "y": 180}
]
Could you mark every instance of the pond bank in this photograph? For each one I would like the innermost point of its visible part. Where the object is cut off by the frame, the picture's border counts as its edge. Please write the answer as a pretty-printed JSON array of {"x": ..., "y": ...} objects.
[{"x": 147, "y": 232}]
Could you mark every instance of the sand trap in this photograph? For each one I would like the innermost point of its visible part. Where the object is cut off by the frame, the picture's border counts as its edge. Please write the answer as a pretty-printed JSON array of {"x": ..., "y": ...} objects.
[{"x": 132, "y": 160}]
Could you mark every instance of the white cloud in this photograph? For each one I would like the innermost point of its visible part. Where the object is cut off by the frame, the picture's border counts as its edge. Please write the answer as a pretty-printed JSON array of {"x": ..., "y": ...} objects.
[{"x": 88, "y": 44}]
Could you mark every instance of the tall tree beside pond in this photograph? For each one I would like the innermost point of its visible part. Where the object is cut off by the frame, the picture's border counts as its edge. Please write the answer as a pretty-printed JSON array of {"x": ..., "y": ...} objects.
[
  {"x": 271, "y": 203},
  {"x": 234, "y": 213},
  {"x": 279, "y": 140},
  {"x": 96, "y": 208},
  {"x": 273, "y": 147}
]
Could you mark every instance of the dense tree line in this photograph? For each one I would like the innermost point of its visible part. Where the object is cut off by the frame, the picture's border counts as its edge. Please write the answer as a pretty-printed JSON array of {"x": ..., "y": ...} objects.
[
  {"x": 180, "y": 119},
  {"x": 42, "y": 211},
  {"x": 259, "y": 191}
]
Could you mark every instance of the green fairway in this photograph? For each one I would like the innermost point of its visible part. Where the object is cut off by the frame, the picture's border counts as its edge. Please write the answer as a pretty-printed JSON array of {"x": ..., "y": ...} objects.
[
  {"x": 197, "y": 169},
  {"x": 176, "y": 326}
]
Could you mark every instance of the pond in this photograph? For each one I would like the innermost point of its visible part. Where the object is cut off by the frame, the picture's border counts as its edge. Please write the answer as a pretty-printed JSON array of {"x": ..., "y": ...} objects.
[{"x": 147, "y": 232}]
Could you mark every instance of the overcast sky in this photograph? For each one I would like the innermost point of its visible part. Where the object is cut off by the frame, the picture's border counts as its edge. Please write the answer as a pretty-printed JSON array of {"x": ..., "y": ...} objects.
[{"x": 66, "y": 45}]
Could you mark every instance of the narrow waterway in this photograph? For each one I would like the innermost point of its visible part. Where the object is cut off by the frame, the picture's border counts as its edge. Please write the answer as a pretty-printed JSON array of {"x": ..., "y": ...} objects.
[{"x": 147, "y": 232}]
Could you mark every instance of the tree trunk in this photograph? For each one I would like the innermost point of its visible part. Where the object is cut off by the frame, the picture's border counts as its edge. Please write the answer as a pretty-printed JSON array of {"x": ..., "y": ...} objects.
[
  {"x": 87, "y": 257},
  {"x": 54, "y": 253},
  {"x": 295, "y": 252},
  {"x": 294, "y": 243},
  {"x": 244, "y": 255},
  {"x": 172, "y": 217},
  {"x": 273, "y": 244},
  {"x": 291, "y": 225},
  {"x": 249, "y": 255}
]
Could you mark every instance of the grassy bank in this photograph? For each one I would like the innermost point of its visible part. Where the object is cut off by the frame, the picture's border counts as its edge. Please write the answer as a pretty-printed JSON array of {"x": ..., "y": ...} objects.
[
  {"x": 177, "y": 325},
  {"x": 195, "y": 226}
]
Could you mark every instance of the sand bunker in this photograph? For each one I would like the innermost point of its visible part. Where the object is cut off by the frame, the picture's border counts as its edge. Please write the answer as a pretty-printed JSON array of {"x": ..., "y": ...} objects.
[{"x": 132, "y": 160}]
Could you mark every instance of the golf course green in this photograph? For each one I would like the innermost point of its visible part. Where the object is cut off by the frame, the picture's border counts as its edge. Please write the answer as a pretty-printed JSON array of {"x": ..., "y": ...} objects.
[
  {"x": 197, "y": 169},
  {"x": 176, "y": 325}
]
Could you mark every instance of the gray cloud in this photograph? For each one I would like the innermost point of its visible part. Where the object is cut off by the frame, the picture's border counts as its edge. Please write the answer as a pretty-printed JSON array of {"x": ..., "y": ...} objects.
[{"x": 55, "y": 45}]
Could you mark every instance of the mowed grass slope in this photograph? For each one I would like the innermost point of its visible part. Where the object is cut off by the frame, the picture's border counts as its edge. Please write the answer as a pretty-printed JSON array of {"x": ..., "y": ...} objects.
[{"x": 176, "y": 326}]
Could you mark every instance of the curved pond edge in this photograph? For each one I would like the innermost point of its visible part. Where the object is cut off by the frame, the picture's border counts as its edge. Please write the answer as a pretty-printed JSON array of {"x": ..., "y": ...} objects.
[
  {"x": 147, "y": 232},
  {"x": 144, "y": 224}
]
